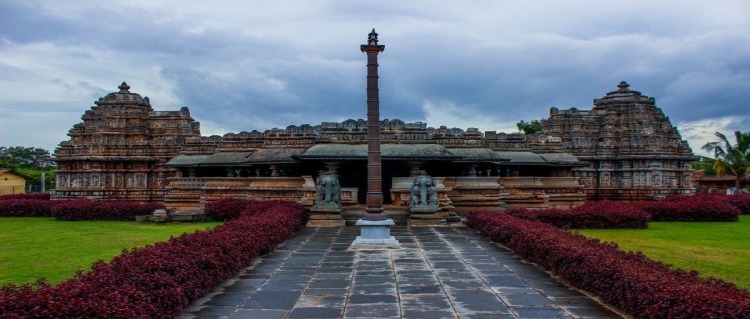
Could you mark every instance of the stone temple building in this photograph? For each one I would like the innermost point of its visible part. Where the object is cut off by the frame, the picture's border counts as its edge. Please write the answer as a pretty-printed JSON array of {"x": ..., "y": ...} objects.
[{"x": 624, "y": 148}]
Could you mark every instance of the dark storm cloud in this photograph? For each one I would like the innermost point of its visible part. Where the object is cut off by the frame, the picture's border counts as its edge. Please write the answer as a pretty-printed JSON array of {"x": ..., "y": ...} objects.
[{"x": 264, "y": 64}]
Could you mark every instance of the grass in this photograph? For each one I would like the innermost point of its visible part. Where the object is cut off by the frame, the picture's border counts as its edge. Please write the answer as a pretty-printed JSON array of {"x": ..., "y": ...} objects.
[
  {"x": 33, "y": 247},
  {"x": 717, "y": 249}
]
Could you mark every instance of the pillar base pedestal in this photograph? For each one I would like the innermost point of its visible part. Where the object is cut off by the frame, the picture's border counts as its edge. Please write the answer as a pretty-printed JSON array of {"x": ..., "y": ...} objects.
[{"x": 375, "y": 234}]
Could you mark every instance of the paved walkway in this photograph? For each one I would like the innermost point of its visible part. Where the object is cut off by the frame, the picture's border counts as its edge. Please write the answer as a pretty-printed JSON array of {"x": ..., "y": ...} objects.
[{"x": 441, "y": 272}]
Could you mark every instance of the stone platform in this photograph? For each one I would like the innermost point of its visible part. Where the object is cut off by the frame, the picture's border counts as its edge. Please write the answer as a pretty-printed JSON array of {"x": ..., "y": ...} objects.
[{"x": 440, "y": 272}]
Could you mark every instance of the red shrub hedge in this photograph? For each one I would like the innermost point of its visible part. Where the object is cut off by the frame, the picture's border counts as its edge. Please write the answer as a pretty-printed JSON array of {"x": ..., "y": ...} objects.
[
  {"x": 601, "y": 214},
  {"x": 26, "y": 196},
  {"x": 630, "y": 281},
  {"x": 26, "y": 207},
  {"x": 231, "y": 208},
  {"x": 741, "y": 201},
  {"x": 85, "y": 209},
  {"x": 158, "y": 281},
  {"x": 691, "y": 209}
]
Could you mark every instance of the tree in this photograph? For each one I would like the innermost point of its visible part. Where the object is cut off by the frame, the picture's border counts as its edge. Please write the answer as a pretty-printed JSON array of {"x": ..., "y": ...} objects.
[
  {"x": 731, "y": 159},
  {"x": 25, "y": 157},
  {"x": 706, "y": 164},
  {"x": 530, "y": 127},
  {"x": 29, "y": 161}
]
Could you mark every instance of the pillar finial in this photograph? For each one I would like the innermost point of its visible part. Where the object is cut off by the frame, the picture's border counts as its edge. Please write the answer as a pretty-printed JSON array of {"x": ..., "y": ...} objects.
[
  {"x": 623, "y": 86},
  {"x": 372, "y": 38},
  {"x": 124, "y": 88}
]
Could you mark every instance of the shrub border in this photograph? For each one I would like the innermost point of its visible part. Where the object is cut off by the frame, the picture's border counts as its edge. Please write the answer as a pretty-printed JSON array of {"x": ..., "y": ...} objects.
[
  {"x": 159, "y": 280},
  {"x": 632, "y": 282}
]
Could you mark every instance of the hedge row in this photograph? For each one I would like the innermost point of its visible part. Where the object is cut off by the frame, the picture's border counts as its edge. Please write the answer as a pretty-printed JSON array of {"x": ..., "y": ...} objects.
[
  {"x": 25, "y": 196},
  {"x": 741, "y": 201},
  {"x": 231, "y": 208},
  {"x": 84, "y": 209},
  {"x": 601, "y": 214},
  {"x": 158, "y": 281},
  {"x": 76, "y": 209},
  {"x": 697, "y": 208},
  {"x": 26, "y": 207},
  {"x": 630, "y": 281}
]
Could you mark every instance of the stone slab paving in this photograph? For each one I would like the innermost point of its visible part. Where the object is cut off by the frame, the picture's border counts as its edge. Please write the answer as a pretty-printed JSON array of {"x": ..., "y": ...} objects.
[{"x": 440, "y": 272}]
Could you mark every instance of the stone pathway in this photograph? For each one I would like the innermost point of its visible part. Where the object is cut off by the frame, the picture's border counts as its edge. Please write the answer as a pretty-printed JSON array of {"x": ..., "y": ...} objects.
[{"x": 441, "y": 272}]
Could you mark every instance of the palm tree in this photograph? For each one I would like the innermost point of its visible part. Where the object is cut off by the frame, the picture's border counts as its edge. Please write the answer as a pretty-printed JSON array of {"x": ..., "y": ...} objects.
[{"x": 731, "y": 159}]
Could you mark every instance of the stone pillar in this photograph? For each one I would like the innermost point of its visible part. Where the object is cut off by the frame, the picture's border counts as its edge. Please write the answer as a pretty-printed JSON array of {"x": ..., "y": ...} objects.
[
  {"x": 374, "y": 210},
  {"x": 375, "y": 231},
  {"x": 231, "y": 173},
  {"x": 275, "y": 171}
]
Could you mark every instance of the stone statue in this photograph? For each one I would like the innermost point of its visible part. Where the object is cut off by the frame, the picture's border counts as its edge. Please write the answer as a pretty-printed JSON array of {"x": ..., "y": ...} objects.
[
  {"x": 424, "y": 195},
  {"x": 327, "y": 194}
]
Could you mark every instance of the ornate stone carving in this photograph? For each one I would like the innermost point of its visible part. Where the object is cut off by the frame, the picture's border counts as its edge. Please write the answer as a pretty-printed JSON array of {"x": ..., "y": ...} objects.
[
  {"x": 327, "y": 194},
  {"x": 424, "y": 195}
]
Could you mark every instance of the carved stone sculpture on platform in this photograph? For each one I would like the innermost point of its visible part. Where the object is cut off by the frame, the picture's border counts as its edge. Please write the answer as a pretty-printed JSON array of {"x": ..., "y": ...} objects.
[
  {"x": 327, "y": 194},
  {"x": 424, "y": 195}
]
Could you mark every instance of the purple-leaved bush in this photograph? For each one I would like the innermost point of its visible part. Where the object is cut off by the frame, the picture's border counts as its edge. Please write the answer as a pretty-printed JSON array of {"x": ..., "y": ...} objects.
[
  {"x": 632, "y": 282},
  {"x": 159, "y": 280}
]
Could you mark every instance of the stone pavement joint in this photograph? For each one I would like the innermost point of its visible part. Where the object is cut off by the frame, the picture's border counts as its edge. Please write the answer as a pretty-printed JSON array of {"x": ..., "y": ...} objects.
[{"x": 440, "y": 272}]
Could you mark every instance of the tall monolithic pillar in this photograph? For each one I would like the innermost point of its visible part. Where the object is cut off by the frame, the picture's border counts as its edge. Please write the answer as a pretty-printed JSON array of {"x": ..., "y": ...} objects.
[{"x": 374, "y": 209}]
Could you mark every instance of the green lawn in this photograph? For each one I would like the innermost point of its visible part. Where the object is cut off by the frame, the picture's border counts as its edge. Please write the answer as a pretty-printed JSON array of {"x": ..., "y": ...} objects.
[
  {"x": 718, "y": 249},
  {"x": 33, "y": 247}
]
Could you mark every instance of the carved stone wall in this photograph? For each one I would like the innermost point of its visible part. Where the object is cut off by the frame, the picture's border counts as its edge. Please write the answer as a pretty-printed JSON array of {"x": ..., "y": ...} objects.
[{"x": 633, "y": 151}]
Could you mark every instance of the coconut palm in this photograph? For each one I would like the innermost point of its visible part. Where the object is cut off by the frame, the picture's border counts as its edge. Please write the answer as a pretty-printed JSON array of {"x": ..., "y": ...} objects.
[{"x": 731, "y": 159}]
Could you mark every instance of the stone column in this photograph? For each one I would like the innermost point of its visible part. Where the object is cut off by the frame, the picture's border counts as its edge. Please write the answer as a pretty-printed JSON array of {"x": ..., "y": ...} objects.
[
  {"x": 375, "y": 231},
  {"x": 374, "y": 210}
]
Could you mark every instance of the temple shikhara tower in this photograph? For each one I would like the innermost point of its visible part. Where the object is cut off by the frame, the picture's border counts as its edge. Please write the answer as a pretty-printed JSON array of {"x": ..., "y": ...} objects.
[
  {"x": 116, "y": 151},
  {"x": 632, "y": 150},
  {"x": 624, "y": 148}
]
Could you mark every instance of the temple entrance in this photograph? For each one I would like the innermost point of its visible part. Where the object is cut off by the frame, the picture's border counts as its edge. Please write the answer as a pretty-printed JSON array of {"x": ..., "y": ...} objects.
[{"x": 354, "y": 174}]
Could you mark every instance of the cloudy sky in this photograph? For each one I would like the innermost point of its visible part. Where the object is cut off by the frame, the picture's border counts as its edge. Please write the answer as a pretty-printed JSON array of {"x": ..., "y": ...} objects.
[{"x": 244, "y": 65}]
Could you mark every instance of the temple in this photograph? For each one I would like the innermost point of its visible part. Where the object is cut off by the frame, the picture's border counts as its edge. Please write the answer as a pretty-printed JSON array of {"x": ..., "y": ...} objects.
[{"x": 622, "y": 149}]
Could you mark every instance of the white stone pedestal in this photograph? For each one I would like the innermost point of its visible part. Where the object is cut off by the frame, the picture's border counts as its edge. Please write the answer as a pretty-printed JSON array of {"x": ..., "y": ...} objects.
[{"x": 375, "y": 234}]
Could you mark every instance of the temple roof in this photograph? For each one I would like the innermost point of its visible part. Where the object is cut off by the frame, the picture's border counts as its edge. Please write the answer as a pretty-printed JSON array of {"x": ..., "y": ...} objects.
[
  {"x": 339, "y": 152},
  {"x": 388, "y": 151},
  {"x": 262, "y": 156},
  {"x": 519, "y": 158},
  {"x": 561, "y": 159},
  {"x": 274, "y": 155},
  {"x": 477, "y": 154},
  {"x": 187, "y": 160},
  {"x": 226, "y": 157}
]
